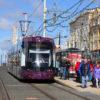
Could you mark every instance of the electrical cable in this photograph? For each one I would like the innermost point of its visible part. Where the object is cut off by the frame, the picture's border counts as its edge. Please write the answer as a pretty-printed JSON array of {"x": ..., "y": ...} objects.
[
  {"x": 80, "y": 1},
  {"x": 79, "y": 4},
  {"x": 66, "y": 10},
  {"x": 52, "y": 29},
  {"x": 72, "y": 15},
  {"x": 36, "y": 9}
]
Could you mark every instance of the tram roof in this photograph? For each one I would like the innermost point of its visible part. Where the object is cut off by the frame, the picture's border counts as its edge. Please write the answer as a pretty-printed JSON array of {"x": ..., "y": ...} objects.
[{"x": 37, "y": 39}]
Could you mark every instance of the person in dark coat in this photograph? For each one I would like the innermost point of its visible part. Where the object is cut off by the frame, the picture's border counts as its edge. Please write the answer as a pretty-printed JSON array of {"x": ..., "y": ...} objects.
[
  {"x": 84, "y": 72},
  {"x": 64, "y": 68},
  {"x": 68, "y": 64}
]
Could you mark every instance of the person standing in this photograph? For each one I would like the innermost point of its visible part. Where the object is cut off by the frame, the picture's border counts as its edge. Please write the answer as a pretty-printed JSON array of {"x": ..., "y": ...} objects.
[
  {"x": 68, "y": 64},
  {"x": 61, "y": 72},
  {"x": 96, "y": 74},
  {"x": 84, "y": 72},
  {"x": 91, "y": 68},
  {"x": 77, "y": 71},
  {"x": 64, "y": 68}
]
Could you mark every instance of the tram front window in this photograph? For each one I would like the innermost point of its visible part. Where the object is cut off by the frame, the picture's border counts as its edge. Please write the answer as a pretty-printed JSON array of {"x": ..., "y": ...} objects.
[{"x": 40, "y": 59}]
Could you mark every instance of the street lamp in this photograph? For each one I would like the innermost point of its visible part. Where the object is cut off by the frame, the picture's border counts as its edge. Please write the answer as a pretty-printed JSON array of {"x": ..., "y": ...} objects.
[
  {"x": 24, "y": 25},
  {"x": 45, "y": 11},
  {"x": 24, "y": 29}
]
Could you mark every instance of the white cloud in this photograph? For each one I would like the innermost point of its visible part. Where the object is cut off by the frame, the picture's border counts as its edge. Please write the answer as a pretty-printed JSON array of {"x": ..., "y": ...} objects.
[
  {"x": 5, "y": 4},
  {"x": 4, "y": 24},
  {"x": 9, "y": 17},
  {"x": 2, "y": 3},
  {"x": 13, "y": 16},
  {"x": 5, "y": 45}
]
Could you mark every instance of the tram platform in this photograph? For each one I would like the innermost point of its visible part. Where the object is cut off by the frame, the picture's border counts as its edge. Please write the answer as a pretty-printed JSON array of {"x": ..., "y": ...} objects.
[{"x": 77, "y": 86}]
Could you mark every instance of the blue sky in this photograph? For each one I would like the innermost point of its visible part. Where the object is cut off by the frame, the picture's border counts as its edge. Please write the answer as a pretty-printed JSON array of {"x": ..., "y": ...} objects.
[{"x": 11, "y": 12}]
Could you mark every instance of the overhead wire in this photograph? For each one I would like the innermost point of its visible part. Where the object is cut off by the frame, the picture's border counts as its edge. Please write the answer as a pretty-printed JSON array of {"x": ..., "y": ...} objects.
[
  {"x": 65, "y": 10},
  {"x": 38, "y": 29},
  {"x": 52, "y": 30},
  {"x": 78, "y": 5},
  {"x": 37, "y": 7},
  {"x": 69, "y": 17},
  {"x": 31, "y": 15},
  {"x": 63, "y": 26},
  {"x": 58, "y": 16}
]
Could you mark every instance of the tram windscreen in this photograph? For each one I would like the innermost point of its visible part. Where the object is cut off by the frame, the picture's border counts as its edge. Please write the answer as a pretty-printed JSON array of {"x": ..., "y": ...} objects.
[
  {"x": 41, "y": 56},
  {"x": 40, "y": 59}
]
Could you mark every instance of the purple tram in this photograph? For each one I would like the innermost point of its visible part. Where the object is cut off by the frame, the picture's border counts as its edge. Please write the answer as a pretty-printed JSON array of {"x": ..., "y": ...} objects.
[{"x": 33, "y": 59}]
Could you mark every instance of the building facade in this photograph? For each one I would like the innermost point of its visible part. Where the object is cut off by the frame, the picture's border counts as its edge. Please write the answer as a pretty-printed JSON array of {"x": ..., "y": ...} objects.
[
  {"x": 95, "y": 31},
  {"x": 85, "y": 31}
]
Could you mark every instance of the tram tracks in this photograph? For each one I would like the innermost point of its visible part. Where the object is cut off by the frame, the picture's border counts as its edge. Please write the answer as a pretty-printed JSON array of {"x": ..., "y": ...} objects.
[
  {"x": 53, "y": 97},
  {"x": 3, "y": 91},
  {"x": 43, "y": 89},
  {"x": 44, "y": 92},
  {"x": 71, "y": 92}
]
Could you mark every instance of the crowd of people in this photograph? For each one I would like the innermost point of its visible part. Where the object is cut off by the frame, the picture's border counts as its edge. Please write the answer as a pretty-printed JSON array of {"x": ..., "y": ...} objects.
[{"x": 86, "y": 70}]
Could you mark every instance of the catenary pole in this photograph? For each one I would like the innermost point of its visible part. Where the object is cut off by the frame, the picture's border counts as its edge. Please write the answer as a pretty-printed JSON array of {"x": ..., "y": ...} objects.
[{"x": 45, "y": 11}]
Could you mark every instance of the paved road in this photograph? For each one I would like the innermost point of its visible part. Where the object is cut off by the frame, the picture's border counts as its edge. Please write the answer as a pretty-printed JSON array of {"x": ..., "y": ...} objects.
[
  {"x": 0, "y": 94},
  {"x": 39, "y": 91}
]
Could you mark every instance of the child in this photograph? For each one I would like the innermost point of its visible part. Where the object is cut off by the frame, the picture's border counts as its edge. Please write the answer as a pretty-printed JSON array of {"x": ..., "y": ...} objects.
[{"x": 96, "y": 73}]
